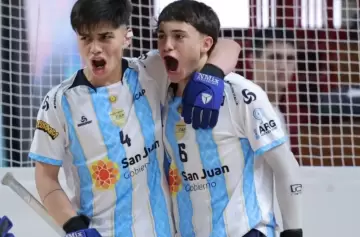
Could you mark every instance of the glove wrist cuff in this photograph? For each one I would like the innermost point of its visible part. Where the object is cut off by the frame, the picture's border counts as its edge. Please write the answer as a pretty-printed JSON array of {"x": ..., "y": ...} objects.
[
  {"x": 212, "y": 70},
  {"x": 76, "y": 223}
]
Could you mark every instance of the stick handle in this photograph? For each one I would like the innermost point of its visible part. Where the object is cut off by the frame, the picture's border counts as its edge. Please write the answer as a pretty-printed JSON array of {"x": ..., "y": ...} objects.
[{"x": 10, "y": 181}]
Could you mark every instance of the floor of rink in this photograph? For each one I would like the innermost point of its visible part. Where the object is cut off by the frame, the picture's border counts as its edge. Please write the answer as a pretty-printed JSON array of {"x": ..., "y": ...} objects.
[{"x": 331, "y": 202}]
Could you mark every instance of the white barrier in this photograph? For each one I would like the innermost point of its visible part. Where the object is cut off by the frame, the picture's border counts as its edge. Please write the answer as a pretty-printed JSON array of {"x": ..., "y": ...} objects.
[{"x": 331, "y": 203}]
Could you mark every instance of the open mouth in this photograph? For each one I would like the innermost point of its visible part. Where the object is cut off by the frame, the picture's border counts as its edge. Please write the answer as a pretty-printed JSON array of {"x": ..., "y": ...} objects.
[
  {"x": 98, "y": 63},
  {"x": 171, "y": 63}
]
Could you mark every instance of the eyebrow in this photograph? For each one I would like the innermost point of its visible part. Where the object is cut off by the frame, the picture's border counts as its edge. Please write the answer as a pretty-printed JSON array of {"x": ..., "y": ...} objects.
[
  {"x": 100, "y": 34},
  {"x": 105, "y": 33},
  {"x": 173, "y": 31}
]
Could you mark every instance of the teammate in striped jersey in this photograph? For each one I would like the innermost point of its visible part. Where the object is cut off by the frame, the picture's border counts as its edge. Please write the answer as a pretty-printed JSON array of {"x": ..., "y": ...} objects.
[
  {"x": 103, "y": 125},
  {"x": 221, "y": 179}
]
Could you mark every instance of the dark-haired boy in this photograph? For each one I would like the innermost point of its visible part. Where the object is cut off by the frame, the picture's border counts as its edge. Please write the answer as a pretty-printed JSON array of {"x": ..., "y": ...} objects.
[
  {"x": 104, "y": 126},
  {"x": 221, "y": 179}
]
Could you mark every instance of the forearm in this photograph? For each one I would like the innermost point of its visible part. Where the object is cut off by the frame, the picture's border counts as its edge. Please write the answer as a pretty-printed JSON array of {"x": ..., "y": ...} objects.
[
  {"x": 288, "y": 185},
  {"x": 55, "y": 200},
  {"x": 225, "y": 55}
]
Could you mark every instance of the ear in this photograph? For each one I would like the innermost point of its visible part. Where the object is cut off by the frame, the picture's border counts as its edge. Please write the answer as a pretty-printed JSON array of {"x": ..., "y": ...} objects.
[
  {"x": 207, "y": 44},
  {"x": 128, "y": 38}
]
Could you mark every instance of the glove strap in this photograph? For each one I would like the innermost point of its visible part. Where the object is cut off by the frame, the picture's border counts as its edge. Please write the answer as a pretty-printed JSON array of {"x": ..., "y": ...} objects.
[
  {"x": 76, "y": 223},
  {"x": 210, "y": 69},
  {"x": 292, "y": 233}
]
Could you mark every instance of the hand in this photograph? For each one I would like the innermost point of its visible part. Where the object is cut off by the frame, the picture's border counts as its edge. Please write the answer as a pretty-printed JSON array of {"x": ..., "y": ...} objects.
[
  {"x": 84, "y": 233},
  {"x": 202, "y": 98},
  {"x": 292, "y": 233},
  {"x": 5, "y": 226},
  {"x": 78, "y": 226}
]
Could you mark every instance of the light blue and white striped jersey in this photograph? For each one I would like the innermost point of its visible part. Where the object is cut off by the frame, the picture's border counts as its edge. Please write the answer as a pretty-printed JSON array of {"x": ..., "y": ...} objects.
[
  {"x": 219, "y": 185},
  {"x": 109, "y": 142}
]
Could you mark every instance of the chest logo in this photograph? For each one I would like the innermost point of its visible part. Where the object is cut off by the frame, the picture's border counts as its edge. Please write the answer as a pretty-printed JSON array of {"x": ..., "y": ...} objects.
[{"x": 118, "y": 117}]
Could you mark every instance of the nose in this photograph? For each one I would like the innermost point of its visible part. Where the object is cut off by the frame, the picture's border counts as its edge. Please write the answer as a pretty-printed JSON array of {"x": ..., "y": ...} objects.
[
  {"x": 95, "y": 48},
  {"x": 281, "y": 65},
  {"x": 168, "y": 45}
]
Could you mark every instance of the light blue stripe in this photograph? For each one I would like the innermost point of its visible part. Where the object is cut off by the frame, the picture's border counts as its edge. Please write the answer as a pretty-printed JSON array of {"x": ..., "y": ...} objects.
[
  {"x": 123, "y": 217},
  {"x": 79, "y": 160},
  {"x": 184, "y": 203},
  {"x": 270, "y": 146},
  {"x": 210, "y": 159},
  {"x": 270, "y": 229},
  {"x": 251, "y": 202},
  {"x": 145, "y": 117},
  {"x": 45, "y": 160}
]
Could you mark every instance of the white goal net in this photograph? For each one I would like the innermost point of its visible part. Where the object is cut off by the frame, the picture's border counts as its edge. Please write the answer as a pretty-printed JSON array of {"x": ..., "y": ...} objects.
[{"x": 320, "y": 103}]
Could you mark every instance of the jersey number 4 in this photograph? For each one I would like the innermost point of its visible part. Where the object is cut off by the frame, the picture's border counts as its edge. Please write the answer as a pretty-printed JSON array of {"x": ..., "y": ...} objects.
[
  {"x": 182, "y": 152},
  {"x": 125, "y": 140}
]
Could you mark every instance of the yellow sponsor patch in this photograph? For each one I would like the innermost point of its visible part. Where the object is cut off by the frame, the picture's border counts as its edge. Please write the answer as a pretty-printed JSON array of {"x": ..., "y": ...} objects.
[{"x": 45, "y": 127}]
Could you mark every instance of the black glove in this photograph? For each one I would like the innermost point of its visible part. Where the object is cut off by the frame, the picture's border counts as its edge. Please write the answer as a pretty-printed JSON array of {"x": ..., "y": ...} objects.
[
  {"x": 76, "y": 223},
  {"x": 292, "y": 233}
]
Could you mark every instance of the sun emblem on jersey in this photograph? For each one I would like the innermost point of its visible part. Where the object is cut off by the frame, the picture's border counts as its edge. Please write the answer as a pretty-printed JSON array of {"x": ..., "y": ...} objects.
[
  {"x": 174, "y": 179},
  {"x": 105, "y": 174}
]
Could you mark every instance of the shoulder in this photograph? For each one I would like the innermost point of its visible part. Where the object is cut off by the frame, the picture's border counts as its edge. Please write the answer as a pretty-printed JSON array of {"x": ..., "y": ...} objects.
[
  {"x": 243, "y": 90},
  {"x": 146, "y": 61},
  {"x": 53, "y": 97}
]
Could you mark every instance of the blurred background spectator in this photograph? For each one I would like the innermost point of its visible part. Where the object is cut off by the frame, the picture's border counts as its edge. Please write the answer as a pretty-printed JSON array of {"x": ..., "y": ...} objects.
[{"x": 273, "y": 63}]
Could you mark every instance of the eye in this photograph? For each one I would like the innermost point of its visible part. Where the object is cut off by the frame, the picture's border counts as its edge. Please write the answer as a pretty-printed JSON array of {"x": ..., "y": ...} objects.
[
  {"x": 161, "y": 36},
  {"x": 84, "y": 38},
  {"x": 291, "y": 57},
  {"x": 179, "y": 36},
  {"x": 108, "y": 37}
]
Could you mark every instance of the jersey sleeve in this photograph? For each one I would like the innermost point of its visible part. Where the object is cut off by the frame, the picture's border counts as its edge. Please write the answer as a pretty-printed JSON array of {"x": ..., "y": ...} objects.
[
  {"x": 48, "y": 145},
  {"x": 259, "y": 122}
]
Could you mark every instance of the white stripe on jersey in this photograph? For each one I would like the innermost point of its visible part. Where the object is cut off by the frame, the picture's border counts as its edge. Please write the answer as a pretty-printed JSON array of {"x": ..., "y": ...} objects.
[{"x": 219, "y": 188}]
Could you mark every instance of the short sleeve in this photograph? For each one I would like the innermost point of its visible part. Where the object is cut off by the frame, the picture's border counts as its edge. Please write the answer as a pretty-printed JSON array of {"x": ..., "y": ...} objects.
[
  {"x": 48, "y": 145},
  {"x": 155, "y": 68},
  {"x": 259, "y": 122}
]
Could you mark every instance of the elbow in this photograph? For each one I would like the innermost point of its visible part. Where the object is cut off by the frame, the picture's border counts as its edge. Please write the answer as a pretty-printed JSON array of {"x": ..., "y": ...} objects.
[
  {"x": 236, "y": 47},
  {"x": 283, "y": 163},
  {"x": 233, "y": 47}
]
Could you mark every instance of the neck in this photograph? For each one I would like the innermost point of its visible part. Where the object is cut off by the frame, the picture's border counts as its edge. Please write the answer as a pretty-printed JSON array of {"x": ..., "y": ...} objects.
[
  {"x": 114, "y": 77},
  {"x": 273, "y": 95},
  {"x": 182, "y": 84}
]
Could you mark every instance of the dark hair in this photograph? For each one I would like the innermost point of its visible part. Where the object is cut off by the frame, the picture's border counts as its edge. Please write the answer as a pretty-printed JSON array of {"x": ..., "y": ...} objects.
[
  {"x": 88, "y": 14},
  {"x": 264, "y": 37},
  {"x": 199, "y": 15}
]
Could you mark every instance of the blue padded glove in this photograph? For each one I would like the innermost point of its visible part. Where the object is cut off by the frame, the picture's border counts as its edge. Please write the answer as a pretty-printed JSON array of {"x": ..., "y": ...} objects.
[
  {"x": 84, "y": 233},
  {"x": 203, "y": 96},
  {"x": 5, "y": 226}
]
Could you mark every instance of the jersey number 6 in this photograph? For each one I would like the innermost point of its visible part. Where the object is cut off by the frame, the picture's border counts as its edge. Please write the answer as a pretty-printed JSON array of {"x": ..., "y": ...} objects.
[{"x": 182, "y": 152}]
